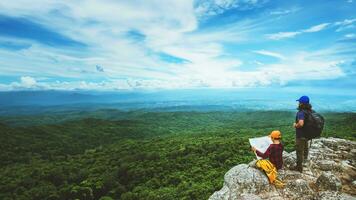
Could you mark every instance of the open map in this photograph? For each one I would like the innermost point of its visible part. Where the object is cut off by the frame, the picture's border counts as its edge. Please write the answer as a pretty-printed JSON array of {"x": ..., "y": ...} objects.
[{"x": 261, "y": 143}]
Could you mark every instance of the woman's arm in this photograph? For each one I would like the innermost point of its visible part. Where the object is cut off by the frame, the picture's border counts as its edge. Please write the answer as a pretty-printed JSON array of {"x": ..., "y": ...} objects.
[{"x": 264, "y": 155}]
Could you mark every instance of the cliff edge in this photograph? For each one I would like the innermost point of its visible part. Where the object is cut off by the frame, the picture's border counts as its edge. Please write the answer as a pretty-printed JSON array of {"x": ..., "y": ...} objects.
[{"x": 330, "y": 173}]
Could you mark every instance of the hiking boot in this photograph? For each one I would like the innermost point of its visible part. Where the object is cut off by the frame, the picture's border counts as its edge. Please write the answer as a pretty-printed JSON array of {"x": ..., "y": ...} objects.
[{"x": 299, "y": 169}]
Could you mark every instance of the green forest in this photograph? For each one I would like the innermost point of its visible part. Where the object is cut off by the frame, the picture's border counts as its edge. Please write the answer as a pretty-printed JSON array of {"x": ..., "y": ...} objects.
[{"x": 109, "y": 154}]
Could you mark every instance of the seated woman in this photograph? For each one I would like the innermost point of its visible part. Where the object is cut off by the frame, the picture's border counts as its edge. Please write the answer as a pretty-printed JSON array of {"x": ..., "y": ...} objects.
[
  {"x": 274, "y": 151},
  {"x": 275, "y": 162}
]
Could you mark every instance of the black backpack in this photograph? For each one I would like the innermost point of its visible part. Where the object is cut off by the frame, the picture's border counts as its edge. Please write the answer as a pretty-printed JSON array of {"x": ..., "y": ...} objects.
[{"x": 313, "y": 124}]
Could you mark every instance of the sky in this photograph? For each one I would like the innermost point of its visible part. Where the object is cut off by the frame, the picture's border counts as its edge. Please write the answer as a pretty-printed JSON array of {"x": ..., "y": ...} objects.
[{"x": 176, "y": 44}]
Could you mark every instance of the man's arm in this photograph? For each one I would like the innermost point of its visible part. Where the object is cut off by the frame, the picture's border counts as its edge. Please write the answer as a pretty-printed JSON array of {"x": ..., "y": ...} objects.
[
  {"x": 300, "y": 120},
  {"x": 299, "y": 124}
]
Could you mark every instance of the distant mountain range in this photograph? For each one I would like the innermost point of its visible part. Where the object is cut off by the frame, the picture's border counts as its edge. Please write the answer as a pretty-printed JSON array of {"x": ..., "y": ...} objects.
[{"x": 32, "y": 102}]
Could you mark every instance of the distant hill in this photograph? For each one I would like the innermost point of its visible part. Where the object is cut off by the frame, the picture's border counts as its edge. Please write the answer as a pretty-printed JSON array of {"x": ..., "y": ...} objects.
[{"x": 40, "y": 102}]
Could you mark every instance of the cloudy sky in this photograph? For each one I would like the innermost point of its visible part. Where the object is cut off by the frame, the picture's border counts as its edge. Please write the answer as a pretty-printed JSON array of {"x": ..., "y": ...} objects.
[{"x": 155, "y": 44}]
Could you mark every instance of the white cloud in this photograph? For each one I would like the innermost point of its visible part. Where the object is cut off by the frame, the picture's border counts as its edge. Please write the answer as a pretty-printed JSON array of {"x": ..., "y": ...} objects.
[
  {"x": 280, "y": 12},
  {"x": 270, "y": 53},
  {"x": 299, "y": 66},
  {"x": 282, "y": 35},
  {"x": 169, "y": 27},
  {"x": 340, "y": 25},
  {"x": 103, "y": 26},
  {"x": 304, "y": 66},
  {"x": 257, "y": 62},
  {"x": 346, "y": 24},
  {"x": 351, "y": 35},
  {"x": 204, "y": 8},
  {"x": 27, "y": 81},
  {"x": 285, "y": 12},
  {"x": 316, "y": 28}
]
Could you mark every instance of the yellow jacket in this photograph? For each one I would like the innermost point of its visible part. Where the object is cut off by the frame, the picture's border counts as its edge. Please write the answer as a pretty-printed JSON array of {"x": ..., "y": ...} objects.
[{"x": 271, "y": 172}]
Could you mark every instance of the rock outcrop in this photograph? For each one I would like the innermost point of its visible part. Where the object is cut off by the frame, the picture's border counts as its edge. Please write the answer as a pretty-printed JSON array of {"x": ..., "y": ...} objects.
[{"x": 329, "y": 173}]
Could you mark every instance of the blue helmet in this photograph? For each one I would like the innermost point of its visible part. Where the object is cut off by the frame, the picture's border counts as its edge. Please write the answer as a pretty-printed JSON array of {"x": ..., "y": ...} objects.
[{"x": 303, "y": 99}]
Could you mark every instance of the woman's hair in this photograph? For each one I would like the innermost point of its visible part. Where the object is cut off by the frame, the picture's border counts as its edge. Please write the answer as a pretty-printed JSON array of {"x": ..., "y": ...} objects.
[{"x": 305, "y": 106}]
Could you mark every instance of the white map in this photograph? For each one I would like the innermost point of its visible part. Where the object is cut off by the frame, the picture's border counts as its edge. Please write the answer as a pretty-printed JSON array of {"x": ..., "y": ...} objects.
[{"x": 261, "y": 144}]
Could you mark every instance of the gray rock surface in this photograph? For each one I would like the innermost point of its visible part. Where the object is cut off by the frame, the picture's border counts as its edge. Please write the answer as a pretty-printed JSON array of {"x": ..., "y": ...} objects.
[
  {"x": 327, "y": 195},
  {"x": 330, "y": 173},
  {"x": 328, "y": 181},
  {"x": 242, "y": 179},
  {"x": 327, "y": 165}
]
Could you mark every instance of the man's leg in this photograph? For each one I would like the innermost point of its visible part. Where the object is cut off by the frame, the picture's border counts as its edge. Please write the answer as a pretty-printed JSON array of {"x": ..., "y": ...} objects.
[
  {"x": 300, "y": 146},
  {"x": 306, "y": 149}
]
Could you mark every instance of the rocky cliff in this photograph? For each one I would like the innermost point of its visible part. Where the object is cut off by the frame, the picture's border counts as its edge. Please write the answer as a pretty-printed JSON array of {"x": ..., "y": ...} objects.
[{"x": 330, "y": 173}]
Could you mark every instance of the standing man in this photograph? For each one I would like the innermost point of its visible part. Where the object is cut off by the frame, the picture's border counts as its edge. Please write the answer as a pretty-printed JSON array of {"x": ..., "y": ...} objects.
[{"x": 301, "y": 133}]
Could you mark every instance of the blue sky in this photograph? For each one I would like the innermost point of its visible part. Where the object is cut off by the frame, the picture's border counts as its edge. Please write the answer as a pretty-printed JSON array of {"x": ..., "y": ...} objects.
[{"x": 177, "y": 44}]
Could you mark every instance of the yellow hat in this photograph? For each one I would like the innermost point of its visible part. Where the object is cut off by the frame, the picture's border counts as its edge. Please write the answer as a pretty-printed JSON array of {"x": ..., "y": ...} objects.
[{"x": 276, "y": 135}]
